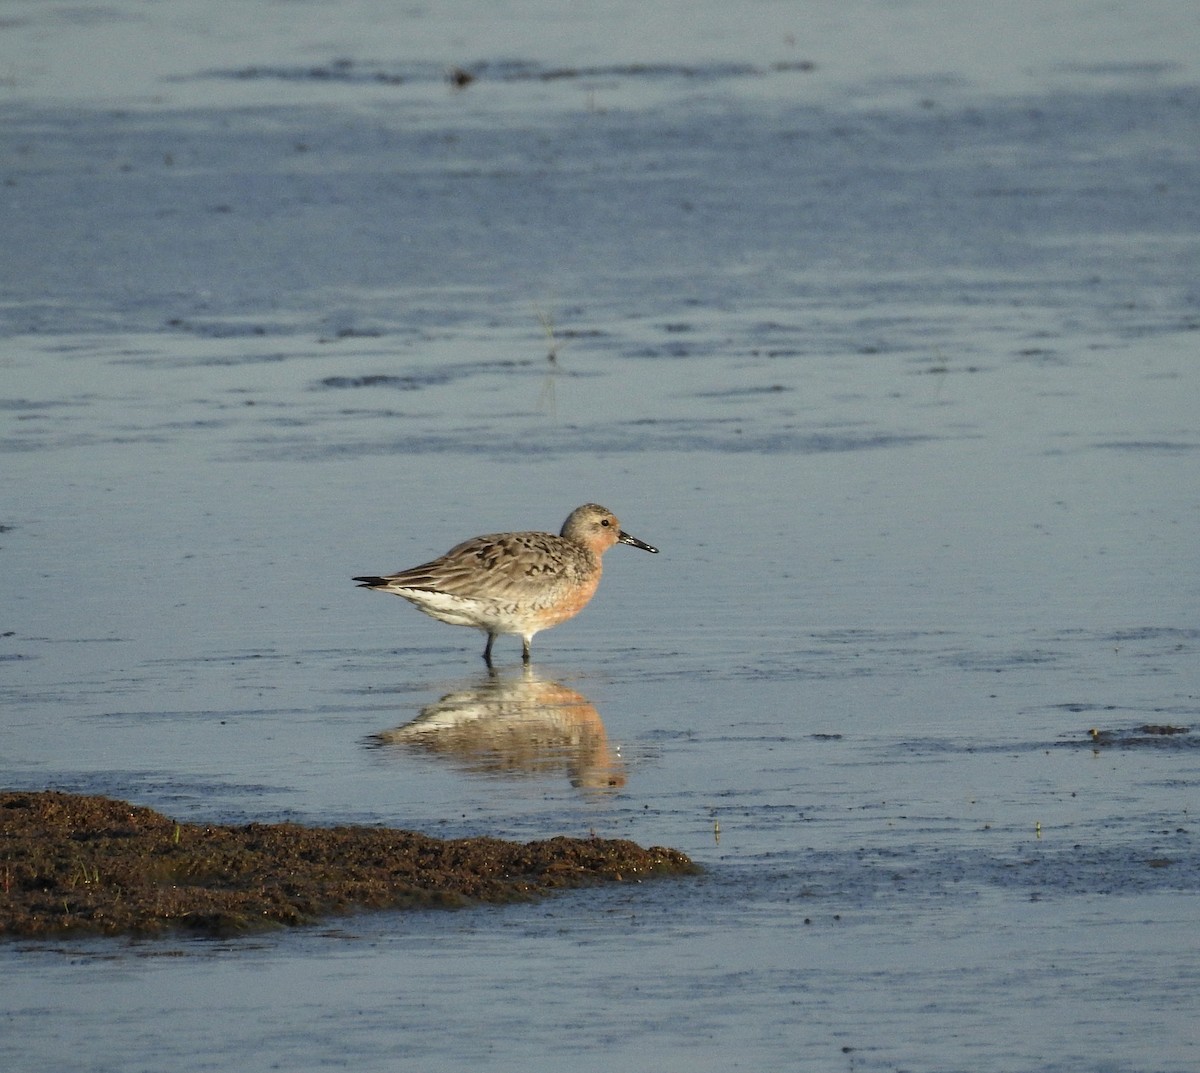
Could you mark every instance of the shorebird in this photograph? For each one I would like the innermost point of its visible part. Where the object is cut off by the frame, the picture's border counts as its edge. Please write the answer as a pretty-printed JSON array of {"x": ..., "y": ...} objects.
[{"x": 518, "y": 583}]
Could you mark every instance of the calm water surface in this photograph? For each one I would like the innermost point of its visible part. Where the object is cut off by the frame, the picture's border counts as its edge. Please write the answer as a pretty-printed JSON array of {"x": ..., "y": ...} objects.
[{"x": 891, "y": 350}]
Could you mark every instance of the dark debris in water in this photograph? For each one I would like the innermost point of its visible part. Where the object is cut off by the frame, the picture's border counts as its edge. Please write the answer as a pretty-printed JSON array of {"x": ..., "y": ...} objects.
[
  {"x": 75, "y": 864},
  {"x": 217, "y": 328},
  {"x": 1147, "y": 734},
  {"x": 402, "y": 383},
  {"x": 422, "y": 378},
  {"x": 344, "y": 70}
]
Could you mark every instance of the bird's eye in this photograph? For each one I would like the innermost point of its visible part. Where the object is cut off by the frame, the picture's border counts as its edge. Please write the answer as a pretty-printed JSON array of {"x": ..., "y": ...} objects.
[{"x": 605, "y": 522}]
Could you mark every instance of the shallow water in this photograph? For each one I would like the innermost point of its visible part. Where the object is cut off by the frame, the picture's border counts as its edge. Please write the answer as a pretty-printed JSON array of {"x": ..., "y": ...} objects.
[{"x": 895, "y": 363}]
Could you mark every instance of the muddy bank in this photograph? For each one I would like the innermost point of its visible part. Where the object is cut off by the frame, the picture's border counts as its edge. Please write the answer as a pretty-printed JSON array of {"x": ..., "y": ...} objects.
[{"x": 72, "y": 864}]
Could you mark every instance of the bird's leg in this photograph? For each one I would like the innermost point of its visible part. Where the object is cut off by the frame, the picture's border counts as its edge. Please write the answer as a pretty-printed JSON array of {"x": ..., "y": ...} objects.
[
  {"x": 525, "y": 650},
  {"x": 487, "y": 650}
]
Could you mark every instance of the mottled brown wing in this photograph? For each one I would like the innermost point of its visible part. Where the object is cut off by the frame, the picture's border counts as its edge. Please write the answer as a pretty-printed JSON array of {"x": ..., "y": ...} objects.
[{"x": 494, "y": 566}]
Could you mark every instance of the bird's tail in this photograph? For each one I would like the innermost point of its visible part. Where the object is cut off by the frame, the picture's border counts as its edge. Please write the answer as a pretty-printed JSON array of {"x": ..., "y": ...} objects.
[{"x": 371, "y": 582}]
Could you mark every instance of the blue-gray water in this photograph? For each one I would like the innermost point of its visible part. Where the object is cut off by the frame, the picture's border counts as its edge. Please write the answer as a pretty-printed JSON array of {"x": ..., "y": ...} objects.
[{"x": 882, "y": 323}]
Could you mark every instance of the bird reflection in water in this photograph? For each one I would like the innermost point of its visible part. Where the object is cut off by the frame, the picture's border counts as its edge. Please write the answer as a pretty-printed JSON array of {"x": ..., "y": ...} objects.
[{"x": 517, "y": 724}]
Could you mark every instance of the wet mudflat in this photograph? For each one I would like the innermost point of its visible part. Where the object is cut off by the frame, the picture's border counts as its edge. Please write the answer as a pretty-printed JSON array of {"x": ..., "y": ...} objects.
[
  {"x": 76, "y": 865},
  {"x": 882, "y": 329}
]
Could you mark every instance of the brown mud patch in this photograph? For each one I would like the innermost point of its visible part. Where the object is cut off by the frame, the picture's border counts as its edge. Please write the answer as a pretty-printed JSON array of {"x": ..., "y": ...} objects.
[
  {"x": 72, "y": 864},
  {"x": 1159, "y": 734}
]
